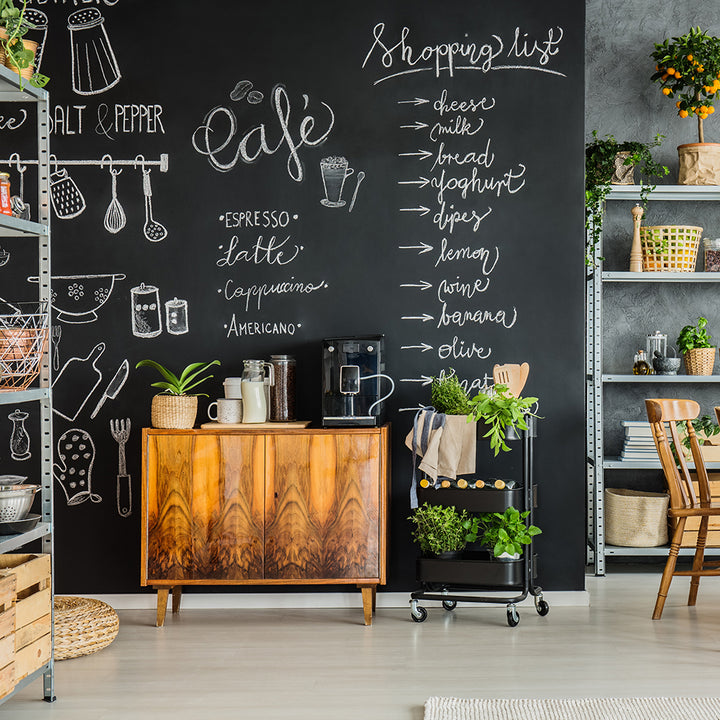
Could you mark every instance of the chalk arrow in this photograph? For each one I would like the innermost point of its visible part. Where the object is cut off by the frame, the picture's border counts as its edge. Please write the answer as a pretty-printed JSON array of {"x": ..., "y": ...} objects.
[
  {"x": 417, "y": 101},
  {"x": 422, "y": 154},
  {"x": 423, "y": 285},
  {"x": 423, "y": 247},
  {"x": 423, "y": 347},
  {"x": 424, "y": 317},
  {"x": 415, "y": 126},
  {"x": 424, "y": 379},
  {"x": 422, "y": 210},
  {"x": 422, "y": 182}
]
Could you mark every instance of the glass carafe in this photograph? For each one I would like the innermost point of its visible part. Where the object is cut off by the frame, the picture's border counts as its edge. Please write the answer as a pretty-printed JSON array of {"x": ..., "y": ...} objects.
[{"x": 252, "y": 388}]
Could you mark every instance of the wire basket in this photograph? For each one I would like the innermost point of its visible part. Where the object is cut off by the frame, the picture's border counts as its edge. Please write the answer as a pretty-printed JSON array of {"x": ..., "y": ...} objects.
[
  {"x": 23, "y": 340},
  {"x": 672, "y": 248}
]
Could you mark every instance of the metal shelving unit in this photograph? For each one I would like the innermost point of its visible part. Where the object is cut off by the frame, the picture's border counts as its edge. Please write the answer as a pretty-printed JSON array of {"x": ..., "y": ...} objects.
[
  {"x": 40, "y": 231},
  {"x": 597, "y": 462}
]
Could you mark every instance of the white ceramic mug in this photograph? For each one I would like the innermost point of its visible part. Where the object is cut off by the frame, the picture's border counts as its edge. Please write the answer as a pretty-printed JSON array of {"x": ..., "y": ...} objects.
[
  {"x": 232, "y": 387},
  {"x": 228, "y": 411}
]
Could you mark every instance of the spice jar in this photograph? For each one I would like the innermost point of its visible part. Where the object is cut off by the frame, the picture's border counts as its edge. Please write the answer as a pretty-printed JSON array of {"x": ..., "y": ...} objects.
[
  {"x": 5, "y": 204},
  {"x": 640, "y": 364},
  {"x": 282, "y": 393},
  {"x": 712, "y": 254}
]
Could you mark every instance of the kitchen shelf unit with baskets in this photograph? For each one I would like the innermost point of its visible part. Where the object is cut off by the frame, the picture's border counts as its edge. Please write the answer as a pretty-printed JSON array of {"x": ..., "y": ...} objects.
[
  {"x": 599, "y": 463},
  {"x": 39, "y": 392}
]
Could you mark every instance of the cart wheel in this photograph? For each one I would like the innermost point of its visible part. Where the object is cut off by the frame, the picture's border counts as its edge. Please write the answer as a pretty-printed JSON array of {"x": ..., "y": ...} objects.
[
  {"x": 449, "y": 604},
  {"x": 512, "y": 616},
  {"x": 542, "y": 607},
  {"x": 418, "y": 614}
]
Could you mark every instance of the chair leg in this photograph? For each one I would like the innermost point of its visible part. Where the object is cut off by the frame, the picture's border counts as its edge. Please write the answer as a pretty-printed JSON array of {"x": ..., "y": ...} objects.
[
  {"x": 699, "y": 559},
  {"x": 669, "y": 569}
]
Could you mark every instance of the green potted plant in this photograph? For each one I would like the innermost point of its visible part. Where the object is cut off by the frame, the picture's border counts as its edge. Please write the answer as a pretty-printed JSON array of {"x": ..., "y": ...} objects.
[
  {"x": 174, "y": 407},
  {"x": 501, "y": 411},
  {"x": 448, "y": 396},
  {"x": 442, "y": 531},
  {"x": 695, "y": 342},
  {"x": 19, "y": 53},
  {"x": 603, "y": 158},
  {"x": 505, "y": 533},
  {"x": 688, "y": 71}
]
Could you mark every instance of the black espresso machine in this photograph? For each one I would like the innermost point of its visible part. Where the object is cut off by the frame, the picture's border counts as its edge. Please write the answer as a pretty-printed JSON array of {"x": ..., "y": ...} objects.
[{"x": 354, "y": 384}]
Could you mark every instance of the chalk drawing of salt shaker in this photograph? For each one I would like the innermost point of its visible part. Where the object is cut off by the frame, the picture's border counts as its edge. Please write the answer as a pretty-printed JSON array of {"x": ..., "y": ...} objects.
[
  {"x": 19, "y": 439},
  {"x": 94, "y": 67},
  {"x": 176, "y": 316},
  {"x": 146, "y": 318}
]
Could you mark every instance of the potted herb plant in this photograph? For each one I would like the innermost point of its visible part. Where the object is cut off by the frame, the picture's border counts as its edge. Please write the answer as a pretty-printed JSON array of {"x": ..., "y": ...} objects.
[
  {"x": 505, "y": 533},
  {"x": 696, "y": 344},
  {"x": 19, "y": 52},
  {"x": 501, "y": 411},
  {"x": 688, "y": 71},
  {"x": 442, "y": 531},
  {"x": 708, "y": 435},
  {"x": 174, "y": 407},
  {"x": 604, "y": 158}
]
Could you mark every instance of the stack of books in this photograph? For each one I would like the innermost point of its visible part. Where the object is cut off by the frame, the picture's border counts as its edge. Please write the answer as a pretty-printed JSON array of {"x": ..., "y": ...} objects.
[{"x": 639, "y": 444}]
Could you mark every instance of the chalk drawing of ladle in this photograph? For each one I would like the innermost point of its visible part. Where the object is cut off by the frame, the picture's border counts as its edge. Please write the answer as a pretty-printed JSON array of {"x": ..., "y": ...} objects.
[
  {"x": 360, "y": 178},
  {"x": 153, "y": 230}
]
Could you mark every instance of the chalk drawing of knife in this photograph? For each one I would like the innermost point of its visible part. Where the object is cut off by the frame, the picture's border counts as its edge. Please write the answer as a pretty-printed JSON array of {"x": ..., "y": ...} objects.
[{"x": 113, "y": 387}]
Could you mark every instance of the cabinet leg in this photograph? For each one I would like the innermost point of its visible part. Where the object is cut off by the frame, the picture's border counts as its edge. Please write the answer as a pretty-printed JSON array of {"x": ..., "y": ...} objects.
[
  {"x": 374, "y": 598},
  {"x": 176, "y": 596},
  {"x": 162, "y": 600},
  {"x": 368, "y": 599}
]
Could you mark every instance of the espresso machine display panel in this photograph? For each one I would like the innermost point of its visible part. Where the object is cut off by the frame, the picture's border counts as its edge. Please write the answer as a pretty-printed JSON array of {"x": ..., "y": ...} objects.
[{"x": 354, "y": 383}]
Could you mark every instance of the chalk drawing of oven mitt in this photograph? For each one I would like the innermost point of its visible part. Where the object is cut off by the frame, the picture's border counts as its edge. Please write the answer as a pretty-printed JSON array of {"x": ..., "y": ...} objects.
[
  {"x": 76, "y": 382},
  {"x": 76, "y": 454}
]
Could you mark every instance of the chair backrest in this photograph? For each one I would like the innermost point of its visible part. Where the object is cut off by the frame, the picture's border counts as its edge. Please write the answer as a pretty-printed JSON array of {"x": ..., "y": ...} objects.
[
  {"x": 513, "y": 376},
  {"x": 663, "y": 414}
]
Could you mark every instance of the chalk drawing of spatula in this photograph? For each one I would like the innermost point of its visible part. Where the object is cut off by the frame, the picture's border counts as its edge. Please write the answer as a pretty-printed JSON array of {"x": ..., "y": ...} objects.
[{"x": 360, "y": 178}]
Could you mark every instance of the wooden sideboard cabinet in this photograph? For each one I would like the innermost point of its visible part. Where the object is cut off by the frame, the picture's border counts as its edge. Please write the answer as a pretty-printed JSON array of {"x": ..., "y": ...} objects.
[{"x": 264, "y": 506}]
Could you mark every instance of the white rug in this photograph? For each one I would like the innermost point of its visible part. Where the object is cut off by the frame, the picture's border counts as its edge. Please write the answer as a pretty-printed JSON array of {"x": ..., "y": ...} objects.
[{"x": 675, "y": 708}]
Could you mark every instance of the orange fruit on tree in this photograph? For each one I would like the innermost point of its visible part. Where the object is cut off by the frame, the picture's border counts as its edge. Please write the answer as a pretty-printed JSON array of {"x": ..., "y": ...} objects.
[
  {"x": 666, "y": 91},
  {"x": 671, "y": 71},
  {"x": 690, "y": 57},
  {"x": 683, "y": 113}
]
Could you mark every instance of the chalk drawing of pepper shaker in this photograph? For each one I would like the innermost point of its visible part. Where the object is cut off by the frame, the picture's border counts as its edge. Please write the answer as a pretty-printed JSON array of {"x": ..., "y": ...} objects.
[
  {"x": 19, "y": 439},
  {"x": 145, "y": 311},
  {"x": 176, "y": 316},
  {"x": 76, "y": 455}
]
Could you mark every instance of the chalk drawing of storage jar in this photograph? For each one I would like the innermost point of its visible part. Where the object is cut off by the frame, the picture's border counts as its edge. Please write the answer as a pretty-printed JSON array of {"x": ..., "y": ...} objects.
[
  {"x": 146, "y": 318},
  {"x": 19, "y": 439},
  {"x": 94, "y": 67}
]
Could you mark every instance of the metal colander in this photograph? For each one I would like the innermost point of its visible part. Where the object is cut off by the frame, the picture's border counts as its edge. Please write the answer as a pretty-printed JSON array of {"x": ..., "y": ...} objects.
[{"x": 15, "y": 501}]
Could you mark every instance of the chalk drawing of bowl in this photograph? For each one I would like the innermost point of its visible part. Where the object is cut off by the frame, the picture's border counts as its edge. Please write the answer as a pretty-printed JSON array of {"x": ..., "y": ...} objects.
[{"x": 77, "y": 298}]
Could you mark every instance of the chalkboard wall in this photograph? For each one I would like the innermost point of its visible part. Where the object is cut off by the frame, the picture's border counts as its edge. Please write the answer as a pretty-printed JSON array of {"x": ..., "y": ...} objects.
[{"x": 457, "y": 232}]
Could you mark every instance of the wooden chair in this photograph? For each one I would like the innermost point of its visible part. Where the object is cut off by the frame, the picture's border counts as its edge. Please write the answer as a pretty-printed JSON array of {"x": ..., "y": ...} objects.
[{"x": 684, "y": 502}]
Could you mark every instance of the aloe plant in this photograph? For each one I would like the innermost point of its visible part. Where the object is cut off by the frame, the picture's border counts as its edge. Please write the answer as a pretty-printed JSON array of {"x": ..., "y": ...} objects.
[{"x": 187, "y": 380}]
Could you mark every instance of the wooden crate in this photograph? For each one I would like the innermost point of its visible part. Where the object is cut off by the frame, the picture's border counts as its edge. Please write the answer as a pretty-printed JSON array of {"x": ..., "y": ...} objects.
[
  {"x": 7, "y": 635},
  {"x": 692, "y": 525},
  {"x": 32, "y": 609}
]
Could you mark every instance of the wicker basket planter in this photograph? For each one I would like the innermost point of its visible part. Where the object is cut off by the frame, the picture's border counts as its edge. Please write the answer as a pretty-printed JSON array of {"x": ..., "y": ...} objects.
[
  {"x": 82, "y": 626},
  {"x": 176, "y": 412},
  {"x": 670, "y": 248},
  {"x": 700, "y": 361},
  {"x": 635, "y": 519}
]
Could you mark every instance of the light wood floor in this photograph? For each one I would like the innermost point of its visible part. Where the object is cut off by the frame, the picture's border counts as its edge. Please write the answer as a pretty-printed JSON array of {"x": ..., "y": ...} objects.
[{"x": 317, "y": 664}]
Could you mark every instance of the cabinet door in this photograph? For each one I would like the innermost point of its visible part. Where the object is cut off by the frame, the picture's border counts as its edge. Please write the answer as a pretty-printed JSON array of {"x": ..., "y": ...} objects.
[
  {"x": 204, "y": 507},
  {"x": 322, "y": 501}
]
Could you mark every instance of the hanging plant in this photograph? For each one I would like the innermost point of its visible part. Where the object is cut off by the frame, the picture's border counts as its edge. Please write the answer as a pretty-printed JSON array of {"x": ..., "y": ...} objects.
[{"x": 18, "y": 56}]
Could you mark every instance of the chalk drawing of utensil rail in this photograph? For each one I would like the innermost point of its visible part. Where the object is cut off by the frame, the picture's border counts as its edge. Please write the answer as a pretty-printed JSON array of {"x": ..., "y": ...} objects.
[{"x": 76, "y": 382}]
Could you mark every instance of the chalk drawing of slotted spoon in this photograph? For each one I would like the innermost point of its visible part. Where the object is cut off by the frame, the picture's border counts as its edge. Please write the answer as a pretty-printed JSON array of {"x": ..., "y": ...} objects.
[{"x": 153, "y": 230}]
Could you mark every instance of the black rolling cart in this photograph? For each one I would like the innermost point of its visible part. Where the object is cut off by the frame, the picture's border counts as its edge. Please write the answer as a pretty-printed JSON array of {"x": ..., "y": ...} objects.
[{"x": 450, "y": 580}]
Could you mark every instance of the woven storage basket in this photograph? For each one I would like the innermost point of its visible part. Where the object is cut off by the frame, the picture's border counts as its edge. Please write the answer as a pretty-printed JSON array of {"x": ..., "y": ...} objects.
[
  {"x": 700, "y": 361},
  {"x": 82, "y": 626},
  {"x": 174, "y": 411},
  {"x": 635, "y": 519},
  {"x": 671, "y": 248}
]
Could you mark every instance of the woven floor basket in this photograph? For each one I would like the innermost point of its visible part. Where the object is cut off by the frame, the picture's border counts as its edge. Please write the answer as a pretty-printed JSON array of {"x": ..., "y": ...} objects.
[
  {"x": 635, "y": 519},
  {"x": 672, "y": 248},
  {"x": 82, "y": 626},
  {"x": 174, "y": 411},
  {"x": 700, "y": 361}
]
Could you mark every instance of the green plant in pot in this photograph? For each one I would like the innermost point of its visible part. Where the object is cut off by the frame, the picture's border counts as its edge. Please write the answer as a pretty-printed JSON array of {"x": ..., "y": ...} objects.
[
  {"x": 442, "y": 530},
  {"x": 448, "y": 396},
  {"x": 604, "y": 157},
  {"x": 19, "y": 52},
  {"x": 500, "y": 410},
  {"x": 688, "y": 71},
  {"x": 695, "y": 342},
  {"x": 507, "y": 532},
  {"x": 175, "y": 407}
]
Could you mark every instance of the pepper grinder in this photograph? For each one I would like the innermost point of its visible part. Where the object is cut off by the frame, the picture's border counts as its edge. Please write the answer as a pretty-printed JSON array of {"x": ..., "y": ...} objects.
[
  {"x": 19, "y": 439},
  {"x": 636, "y": 249}
]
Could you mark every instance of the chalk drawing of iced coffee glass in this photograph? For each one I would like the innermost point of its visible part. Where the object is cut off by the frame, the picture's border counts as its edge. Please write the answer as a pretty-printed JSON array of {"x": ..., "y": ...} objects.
[{"x": 334, "y": 170}]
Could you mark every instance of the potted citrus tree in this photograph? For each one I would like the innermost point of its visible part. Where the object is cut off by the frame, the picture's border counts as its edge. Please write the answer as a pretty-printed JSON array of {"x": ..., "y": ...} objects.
[
  {"x": 688, "y": 71},
  {"x": 175, "y": 407},
  {"x": 696, "y": 344}
]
